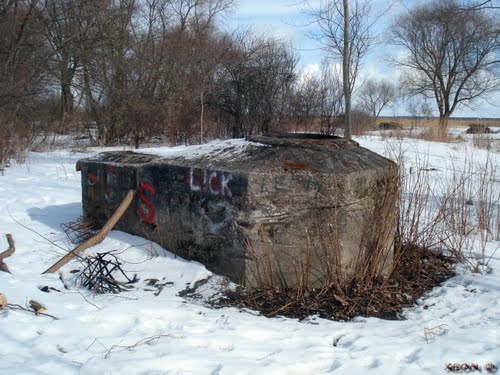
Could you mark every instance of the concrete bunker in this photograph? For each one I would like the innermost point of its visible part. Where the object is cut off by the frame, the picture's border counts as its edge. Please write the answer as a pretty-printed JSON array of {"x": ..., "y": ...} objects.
[{"x": 288, "y": 211}]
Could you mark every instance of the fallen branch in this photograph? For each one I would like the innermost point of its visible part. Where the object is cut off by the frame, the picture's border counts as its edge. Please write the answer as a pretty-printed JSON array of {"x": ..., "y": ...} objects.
[
  {"x": 7, "y": 253},
  {"x": 99, "y": 237},
  {"x": 37, "y": 307},
  {"x": 3, "y": 301},
  {"x": 13, "y": 306}
]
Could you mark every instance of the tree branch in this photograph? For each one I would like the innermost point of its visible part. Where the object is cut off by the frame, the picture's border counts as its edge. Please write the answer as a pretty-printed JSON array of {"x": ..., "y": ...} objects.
[
  {"x": 99, "y": 237},
  {"x": 7, "y": 253}
]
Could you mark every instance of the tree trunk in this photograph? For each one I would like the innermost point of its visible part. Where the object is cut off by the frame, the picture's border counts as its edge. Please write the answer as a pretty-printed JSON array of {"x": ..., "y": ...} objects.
[
  {"x": 66, "y": 98},
  {"x": 345, "y": 72},
  {"x": 66, "y": 101},
  {"x": 238, "y": 121},
  {"x": 202, "y": 114},
  {"x": 443, "y": 125}
]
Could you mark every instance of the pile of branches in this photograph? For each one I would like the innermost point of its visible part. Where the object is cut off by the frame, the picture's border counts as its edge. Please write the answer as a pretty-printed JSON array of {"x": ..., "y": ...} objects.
[
  {"x": 98, "y": 274},
  {"x": 418, "y": 271}
]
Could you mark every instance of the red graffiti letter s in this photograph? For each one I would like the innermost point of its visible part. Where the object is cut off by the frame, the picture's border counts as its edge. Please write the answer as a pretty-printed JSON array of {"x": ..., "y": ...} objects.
[{"x": 146, "y": 209}]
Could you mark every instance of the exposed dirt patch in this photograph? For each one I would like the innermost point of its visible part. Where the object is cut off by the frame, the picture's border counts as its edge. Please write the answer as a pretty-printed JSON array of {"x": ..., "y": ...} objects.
[{"x": 418, "y": 271}]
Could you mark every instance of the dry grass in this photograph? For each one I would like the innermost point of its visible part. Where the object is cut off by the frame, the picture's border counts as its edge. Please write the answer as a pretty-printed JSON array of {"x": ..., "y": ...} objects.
[
  {"x": 420, "y": 270},
  {"x": 466, "y": 213},
  {"x": 427, "y": 128},
  {"x": 433, "y": 122}
]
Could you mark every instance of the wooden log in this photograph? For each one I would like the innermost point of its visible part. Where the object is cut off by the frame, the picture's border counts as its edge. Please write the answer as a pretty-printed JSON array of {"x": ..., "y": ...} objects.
[
  {"x": 98, "y": 237},
  {"x": 7, "y": 253},
  {"x": 36, "y": 306}
]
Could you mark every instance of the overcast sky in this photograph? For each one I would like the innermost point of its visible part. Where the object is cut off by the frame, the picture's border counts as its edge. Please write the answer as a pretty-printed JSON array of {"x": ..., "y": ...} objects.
[{"x": 284, "y": 20}]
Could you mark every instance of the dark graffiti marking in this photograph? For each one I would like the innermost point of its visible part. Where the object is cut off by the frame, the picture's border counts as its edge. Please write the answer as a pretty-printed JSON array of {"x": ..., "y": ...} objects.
[
  {"x": 216, "y": 215},
  {"x": 145, "y": 209},
  {"x": 92, "y": 181},
  {"x": 111, "y": 191}
]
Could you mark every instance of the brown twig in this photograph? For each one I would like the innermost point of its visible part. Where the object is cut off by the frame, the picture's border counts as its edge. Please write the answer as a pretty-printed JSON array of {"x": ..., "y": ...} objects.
[
  {"x": 429, "y": 332},
  {"x": 284, "y": 307},
  {"x": 145, "y": 341},
  {"x": 7, "y": 253},
  {"x": 86, "y": 300}
]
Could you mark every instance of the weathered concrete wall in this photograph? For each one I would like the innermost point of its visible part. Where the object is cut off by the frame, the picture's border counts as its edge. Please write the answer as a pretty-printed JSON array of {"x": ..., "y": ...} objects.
[{"x": 284, "y": 212}]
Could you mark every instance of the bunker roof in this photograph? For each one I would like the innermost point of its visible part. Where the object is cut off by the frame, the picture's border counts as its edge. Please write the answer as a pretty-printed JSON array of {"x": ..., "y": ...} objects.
[{"x": 272, "y": 153}]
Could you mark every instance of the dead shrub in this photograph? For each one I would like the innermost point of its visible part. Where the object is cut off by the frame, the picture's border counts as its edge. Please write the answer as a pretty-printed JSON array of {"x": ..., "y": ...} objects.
[
  {"x": 15, "y": 138},
  {"x": 361, "y": 122},
  {"x": 450, "y": 213},
  {"x": 390, "y": 126},
  {"x": 419, "y": 271}
]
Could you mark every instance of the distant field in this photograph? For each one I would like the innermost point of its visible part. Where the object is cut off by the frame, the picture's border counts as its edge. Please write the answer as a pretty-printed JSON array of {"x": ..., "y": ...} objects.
[{"x": 434, "y": 121}]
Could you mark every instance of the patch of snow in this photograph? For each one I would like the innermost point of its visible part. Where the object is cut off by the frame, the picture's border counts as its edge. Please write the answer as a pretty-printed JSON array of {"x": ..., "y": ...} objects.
[
  {"x": 214, "y": 149},
  {"x": 145, "y": 332}
]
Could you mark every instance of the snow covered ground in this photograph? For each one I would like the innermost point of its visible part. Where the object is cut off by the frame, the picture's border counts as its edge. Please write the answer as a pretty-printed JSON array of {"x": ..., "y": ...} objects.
[{"x": 139, "y": 332}]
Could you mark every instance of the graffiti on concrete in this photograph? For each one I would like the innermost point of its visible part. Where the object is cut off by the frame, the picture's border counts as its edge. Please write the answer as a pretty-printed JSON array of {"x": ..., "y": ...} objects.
[
  {"x": 216, "y": 214},
  {"x": 92, "y": 181},
  {"x": 111, "y": 190},
  {"x": 107, "y": 187},
  {"x": 215, "y": 183},
  {"x": 145, "y": 208},
  {"x": 180, "y": 194}
]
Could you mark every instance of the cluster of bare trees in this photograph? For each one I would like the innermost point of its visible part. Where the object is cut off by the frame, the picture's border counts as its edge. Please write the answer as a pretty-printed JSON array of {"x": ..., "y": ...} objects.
[
  {"x": 132, "y": 70},
  {"x": 452, "y": 51}
]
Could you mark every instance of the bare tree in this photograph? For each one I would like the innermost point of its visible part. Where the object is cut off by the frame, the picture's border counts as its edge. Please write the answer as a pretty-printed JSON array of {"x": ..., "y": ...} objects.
[
  {"x": 305, "y": 103},
  {"x": 254, "y": 85},
  {"x": 453, "y": 56},
  {"x": 70, "y": 32},
  {"x": 332, "y": 98},
  {"x": 198, "y": 14},
  {"x": 20, "y": 47},
  {"x": 375, "y": 95},
  {"x": 346, "y": 70},
  {"x": 345, "y": 32},
  {"x": 21, "y": 75},
  {"x": 129, "y": 69}
]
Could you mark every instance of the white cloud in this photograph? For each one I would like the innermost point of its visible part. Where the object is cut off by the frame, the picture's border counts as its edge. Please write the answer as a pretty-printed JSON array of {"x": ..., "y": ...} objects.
[{"x": 309, "y": 71}]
